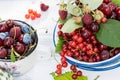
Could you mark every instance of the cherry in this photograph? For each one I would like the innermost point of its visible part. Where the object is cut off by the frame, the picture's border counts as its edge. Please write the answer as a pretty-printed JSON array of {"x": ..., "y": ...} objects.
[
  {"x": 117, "y": 11},
  {"x": 112, "y": 6},
  {"x": 10, "y": 23},
  {"x": 106, "y": 1},
  {"x": 3, "y": 52},
  {"x": 20, "y": 39},
  {"x": 1, "y": 42},
  {"x": 87, "y": 19},
  {"x": 3, "y": 28},
  {"x": 8, "y": 41},
  {"x": 19, "y": 47},
  {"x": 15, "y": 32},
  {"x": 107, "y": 11}
]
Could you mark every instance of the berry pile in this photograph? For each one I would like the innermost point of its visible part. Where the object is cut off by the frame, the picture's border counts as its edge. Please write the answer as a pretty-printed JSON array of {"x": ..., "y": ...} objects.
[
  {"x": 16, "y": 38},
  {"x": 82, "y": 43}
]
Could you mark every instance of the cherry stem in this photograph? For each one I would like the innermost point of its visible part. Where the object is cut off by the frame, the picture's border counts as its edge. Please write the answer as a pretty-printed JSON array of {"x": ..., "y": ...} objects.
[{"x": 97, "y": 77}]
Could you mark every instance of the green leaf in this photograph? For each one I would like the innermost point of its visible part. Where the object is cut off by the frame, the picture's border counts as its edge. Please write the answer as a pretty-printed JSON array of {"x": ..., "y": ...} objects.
[
  {"x": 68, "y": 76},
  {"x": 62, "y": 21},
  {"x": 116, "y": 2},
  {"x": 92, "y": 4},
  {"x": 59, "y": 45},
  {"x": 109, "y": 33},
  {"x": 70, "y": 26},
  {"x": 12, "y": 57}
]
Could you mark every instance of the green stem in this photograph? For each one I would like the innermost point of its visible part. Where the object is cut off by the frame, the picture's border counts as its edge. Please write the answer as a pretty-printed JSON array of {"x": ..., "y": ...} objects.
[{"x": 97, "y": 77}]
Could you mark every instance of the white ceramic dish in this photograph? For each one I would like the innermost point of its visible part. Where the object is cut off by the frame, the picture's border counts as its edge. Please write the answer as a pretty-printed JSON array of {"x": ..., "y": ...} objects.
[
  {"x": 108, "y": 64},
  {"x": 22, "y": 66}
]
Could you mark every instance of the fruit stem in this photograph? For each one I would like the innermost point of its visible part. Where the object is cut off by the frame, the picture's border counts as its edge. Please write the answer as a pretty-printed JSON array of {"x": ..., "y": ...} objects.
[
  {"x": 55, "y": 58},
  {"x": 63, "y": 5},
  {"x": 97, "y": 77}
]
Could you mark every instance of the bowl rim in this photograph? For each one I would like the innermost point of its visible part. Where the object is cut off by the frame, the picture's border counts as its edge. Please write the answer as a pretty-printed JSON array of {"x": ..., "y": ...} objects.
[
  {"x": 32, "y": 49},
  {"x": 95, "y": 64}
]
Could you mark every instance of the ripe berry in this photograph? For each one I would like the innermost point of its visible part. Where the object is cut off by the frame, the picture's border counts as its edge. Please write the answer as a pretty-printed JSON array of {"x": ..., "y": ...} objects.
[
  {"x": 25, "y": 28},
  {"x": 33, "y": 17},
  {"x": 38, "y": 15},
  {"x": 27, "y": 16},
  {"x": 63, "y": 14},
  {"x": 87, "y": 19},
  {"x": 74, "y": 76},
  {"x": 20, "y": 39},
  {"x": 60, "y": 26},
  {"x": 60, "y": 33},
  {"x": 59, "y": 66},
  {"x": 106, "y": 1},
  {"x": 30, "y": 11},
  {"x": 44, "y": 7},
  {"x": 63, "y": 59},
  {"x": 27, "y": 38},
  {"x": 8, "y": 41},
  {"x": 3, "y": 28},
  {"x": 94, "y": 27},
  {"x": 10, "y": 23},
  {"x": 73, "y": 67},
  {"x": 1, "y": 42},
  {"x": 105, "y": 54},
  {"x": 3, "y": 36},
  {"x": 86, "y": 33},
  {"x": 104, "y": 19},
  {"x": 107, "y": 11},
  {"x": 15, "y": 32},
  {"x": 79, "y": 73},
  {"x": 19, "y": 47},
  {"x": 64, "y": 64},
  {"x": 3, "y": 52},
  {"x": 58, "y": 71}
]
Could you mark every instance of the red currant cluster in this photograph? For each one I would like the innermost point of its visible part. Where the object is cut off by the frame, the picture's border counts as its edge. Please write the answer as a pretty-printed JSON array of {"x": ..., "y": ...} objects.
[
  {"x": 32, "y": 14},
  {"x": 76, "y": 73},
  {"x": 63, "y": 64}
]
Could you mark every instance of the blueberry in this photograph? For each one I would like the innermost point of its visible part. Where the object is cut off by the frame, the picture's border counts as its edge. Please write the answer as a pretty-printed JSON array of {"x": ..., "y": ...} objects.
[
  {"x": 2, "y": 35},
  {"x": 25, "y": 29},
  {"x": 26, "y": 38},
  {"x": 7, "y": 34}
]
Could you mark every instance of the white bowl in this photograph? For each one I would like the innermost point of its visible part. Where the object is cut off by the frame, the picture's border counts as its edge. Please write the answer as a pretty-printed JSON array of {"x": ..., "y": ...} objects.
[
  {"x": 108, "y": 64},
  {"x": 22, "y": 66}
]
